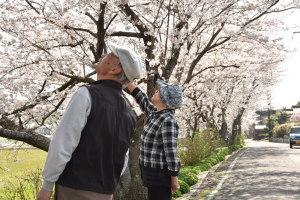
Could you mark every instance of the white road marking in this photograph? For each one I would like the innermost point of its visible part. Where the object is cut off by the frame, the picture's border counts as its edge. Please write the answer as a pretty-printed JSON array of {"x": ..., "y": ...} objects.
[{"x": 219, "y": 186}]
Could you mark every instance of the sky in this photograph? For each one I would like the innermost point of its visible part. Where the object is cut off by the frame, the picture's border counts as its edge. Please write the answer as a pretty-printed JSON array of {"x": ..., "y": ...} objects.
[{"x": 287, "y": 91}]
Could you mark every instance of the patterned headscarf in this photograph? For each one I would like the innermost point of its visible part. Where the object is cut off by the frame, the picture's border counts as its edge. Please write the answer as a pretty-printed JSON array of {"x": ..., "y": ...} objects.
[{"x": 171, "y": 95}]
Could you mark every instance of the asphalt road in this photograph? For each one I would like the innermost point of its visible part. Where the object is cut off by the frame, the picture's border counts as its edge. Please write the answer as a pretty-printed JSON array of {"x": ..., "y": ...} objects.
[{"x": 262, "y": 171}]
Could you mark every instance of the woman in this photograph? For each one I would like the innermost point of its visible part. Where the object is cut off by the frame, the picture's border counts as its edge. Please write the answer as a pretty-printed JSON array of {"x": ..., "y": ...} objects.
[{"x": 158, "y": 159}]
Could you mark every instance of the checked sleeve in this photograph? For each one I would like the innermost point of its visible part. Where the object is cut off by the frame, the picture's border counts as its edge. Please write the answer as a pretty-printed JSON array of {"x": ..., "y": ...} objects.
[
  {"x": 142, "y": 99},
  {"x": 170, "y": 131}
]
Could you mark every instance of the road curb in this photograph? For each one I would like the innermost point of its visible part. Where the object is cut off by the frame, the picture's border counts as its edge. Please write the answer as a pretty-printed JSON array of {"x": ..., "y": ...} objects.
[{"x": 196, "y": 189}]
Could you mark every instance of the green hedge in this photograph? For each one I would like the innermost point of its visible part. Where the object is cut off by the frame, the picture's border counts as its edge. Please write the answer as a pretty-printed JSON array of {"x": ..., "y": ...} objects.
[
  {"x": 215, "y": 158},
  {"x": 188, "y": 177},
  {"x": 184, "y": 188},
  {"x": 177, "y": 194},
  {"x": 200, "y": 146},
  {"x": 188, "y": 174}
]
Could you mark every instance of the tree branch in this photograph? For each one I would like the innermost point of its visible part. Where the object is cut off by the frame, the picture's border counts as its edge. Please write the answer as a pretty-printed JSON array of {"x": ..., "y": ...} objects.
[
  {"x": 212, "y": 67},
  {"x": 149, "y": 41},
  {"x": 224, "y": 9},
  {"x": 172, "y": 61},
  {"x": 203, "y": 52},
  {"x": 43, "y": 87},
  {"x": 44, "y": 97},
  {"x": 100, "y": 32},
  {"x": 261, "y": 14},
  {"x": 218, "y": 43},
  {"x": 52, "y": 111},
  {"x": 27, "y": 106},
  {"x": 91, "y": 17},
  {"x": 134, "y": 18},
  {"x": 31, "y": 138},
  {"x": 127, "y": 34},
  {"x": 76, "y": 78},
  {"x": 282, "y": 10},
  {"x": 21, "y": 66},
  {"x": 68, "y": 45},
  {"x": 39, "y": 47},
  {"x": 30, "y": 4},
  {"x": 81, "y": 29},
  {"x": 111, "y": 20}
]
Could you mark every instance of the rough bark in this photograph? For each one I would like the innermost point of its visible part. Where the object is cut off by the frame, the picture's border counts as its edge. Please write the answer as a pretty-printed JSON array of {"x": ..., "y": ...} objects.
[
  {"x": 31, "y": 138},
  {"x": 236, "y": 126},
  {"x": 224, "y": 127},
  {"x": 136, "y": 191}
]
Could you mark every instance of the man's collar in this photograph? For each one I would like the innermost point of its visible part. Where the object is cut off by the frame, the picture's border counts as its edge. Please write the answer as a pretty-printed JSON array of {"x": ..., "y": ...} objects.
[{"x": 110, "y": 83}]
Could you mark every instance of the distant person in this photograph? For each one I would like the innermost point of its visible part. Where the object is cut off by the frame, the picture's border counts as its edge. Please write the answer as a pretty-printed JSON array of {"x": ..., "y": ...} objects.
[
  {"x": 158, "y": 158},
  {"x": 87, "y": 153}
]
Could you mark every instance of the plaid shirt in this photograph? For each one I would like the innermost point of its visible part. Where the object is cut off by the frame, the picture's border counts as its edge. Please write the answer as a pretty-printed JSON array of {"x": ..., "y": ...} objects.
[{"x": 158, "y": 147}]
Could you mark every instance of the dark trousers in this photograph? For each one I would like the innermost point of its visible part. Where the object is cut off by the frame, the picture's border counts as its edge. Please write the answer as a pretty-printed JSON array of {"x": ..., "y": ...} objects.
[{"x": 159, "y": 193}]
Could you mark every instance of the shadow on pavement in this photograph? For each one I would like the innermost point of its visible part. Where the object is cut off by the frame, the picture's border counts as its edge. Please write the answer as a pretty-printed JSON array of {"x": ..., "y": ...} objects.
[{"x": 262, "y": 172}]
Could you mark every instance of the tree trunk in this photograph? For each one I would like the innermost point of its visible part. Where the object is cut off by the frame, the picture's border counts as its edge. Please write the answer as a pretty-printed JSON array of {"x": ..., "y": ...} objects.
[
  {"x": 195, "y": 126},
  {"x": 236, "y": 126},
  {"x": 224, "y": 127},
  {"x": 135, "y": 191},
  {"x": 224, "y": 131}
]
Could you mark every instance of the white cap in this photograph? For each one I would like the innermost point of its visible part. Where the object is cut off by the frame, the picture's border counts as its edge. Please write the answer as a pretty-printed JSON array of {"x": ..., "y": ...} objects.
[{"x": 132, "y": 64}]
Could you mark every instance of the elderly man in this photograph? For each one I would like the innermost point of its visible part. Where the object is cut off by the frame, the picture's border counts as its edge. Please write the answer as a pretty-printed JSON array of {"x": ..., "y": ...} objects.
[{"x": 88, "y": 151}]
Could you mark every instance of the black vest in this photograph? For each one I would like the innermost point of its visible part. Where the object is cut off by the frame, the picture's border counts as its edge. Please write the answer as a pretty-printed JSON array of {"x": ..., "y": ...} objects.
[{"x": 97, "y": 161}]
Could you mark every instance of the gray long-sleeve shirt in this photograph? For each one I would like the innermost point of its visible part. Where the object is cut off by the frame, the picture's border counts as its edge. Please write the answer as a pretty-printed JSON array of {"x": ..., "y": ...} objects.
[{"x": 67, "y": 137}]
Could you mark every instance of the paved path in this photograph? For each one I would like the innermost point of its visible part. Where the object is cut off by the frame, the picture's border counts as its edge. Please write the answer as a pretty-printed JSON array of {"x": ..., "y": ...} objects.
[{"x": 263, "y": 171}]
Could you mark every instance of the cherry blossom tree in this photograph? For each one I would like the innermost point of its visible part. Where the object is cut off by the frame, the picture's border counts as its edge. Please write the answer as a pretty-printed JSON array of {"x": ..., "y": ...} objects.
[
  {"x": 220, "y": 86},
  {"x": 221, "y": 52}
]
